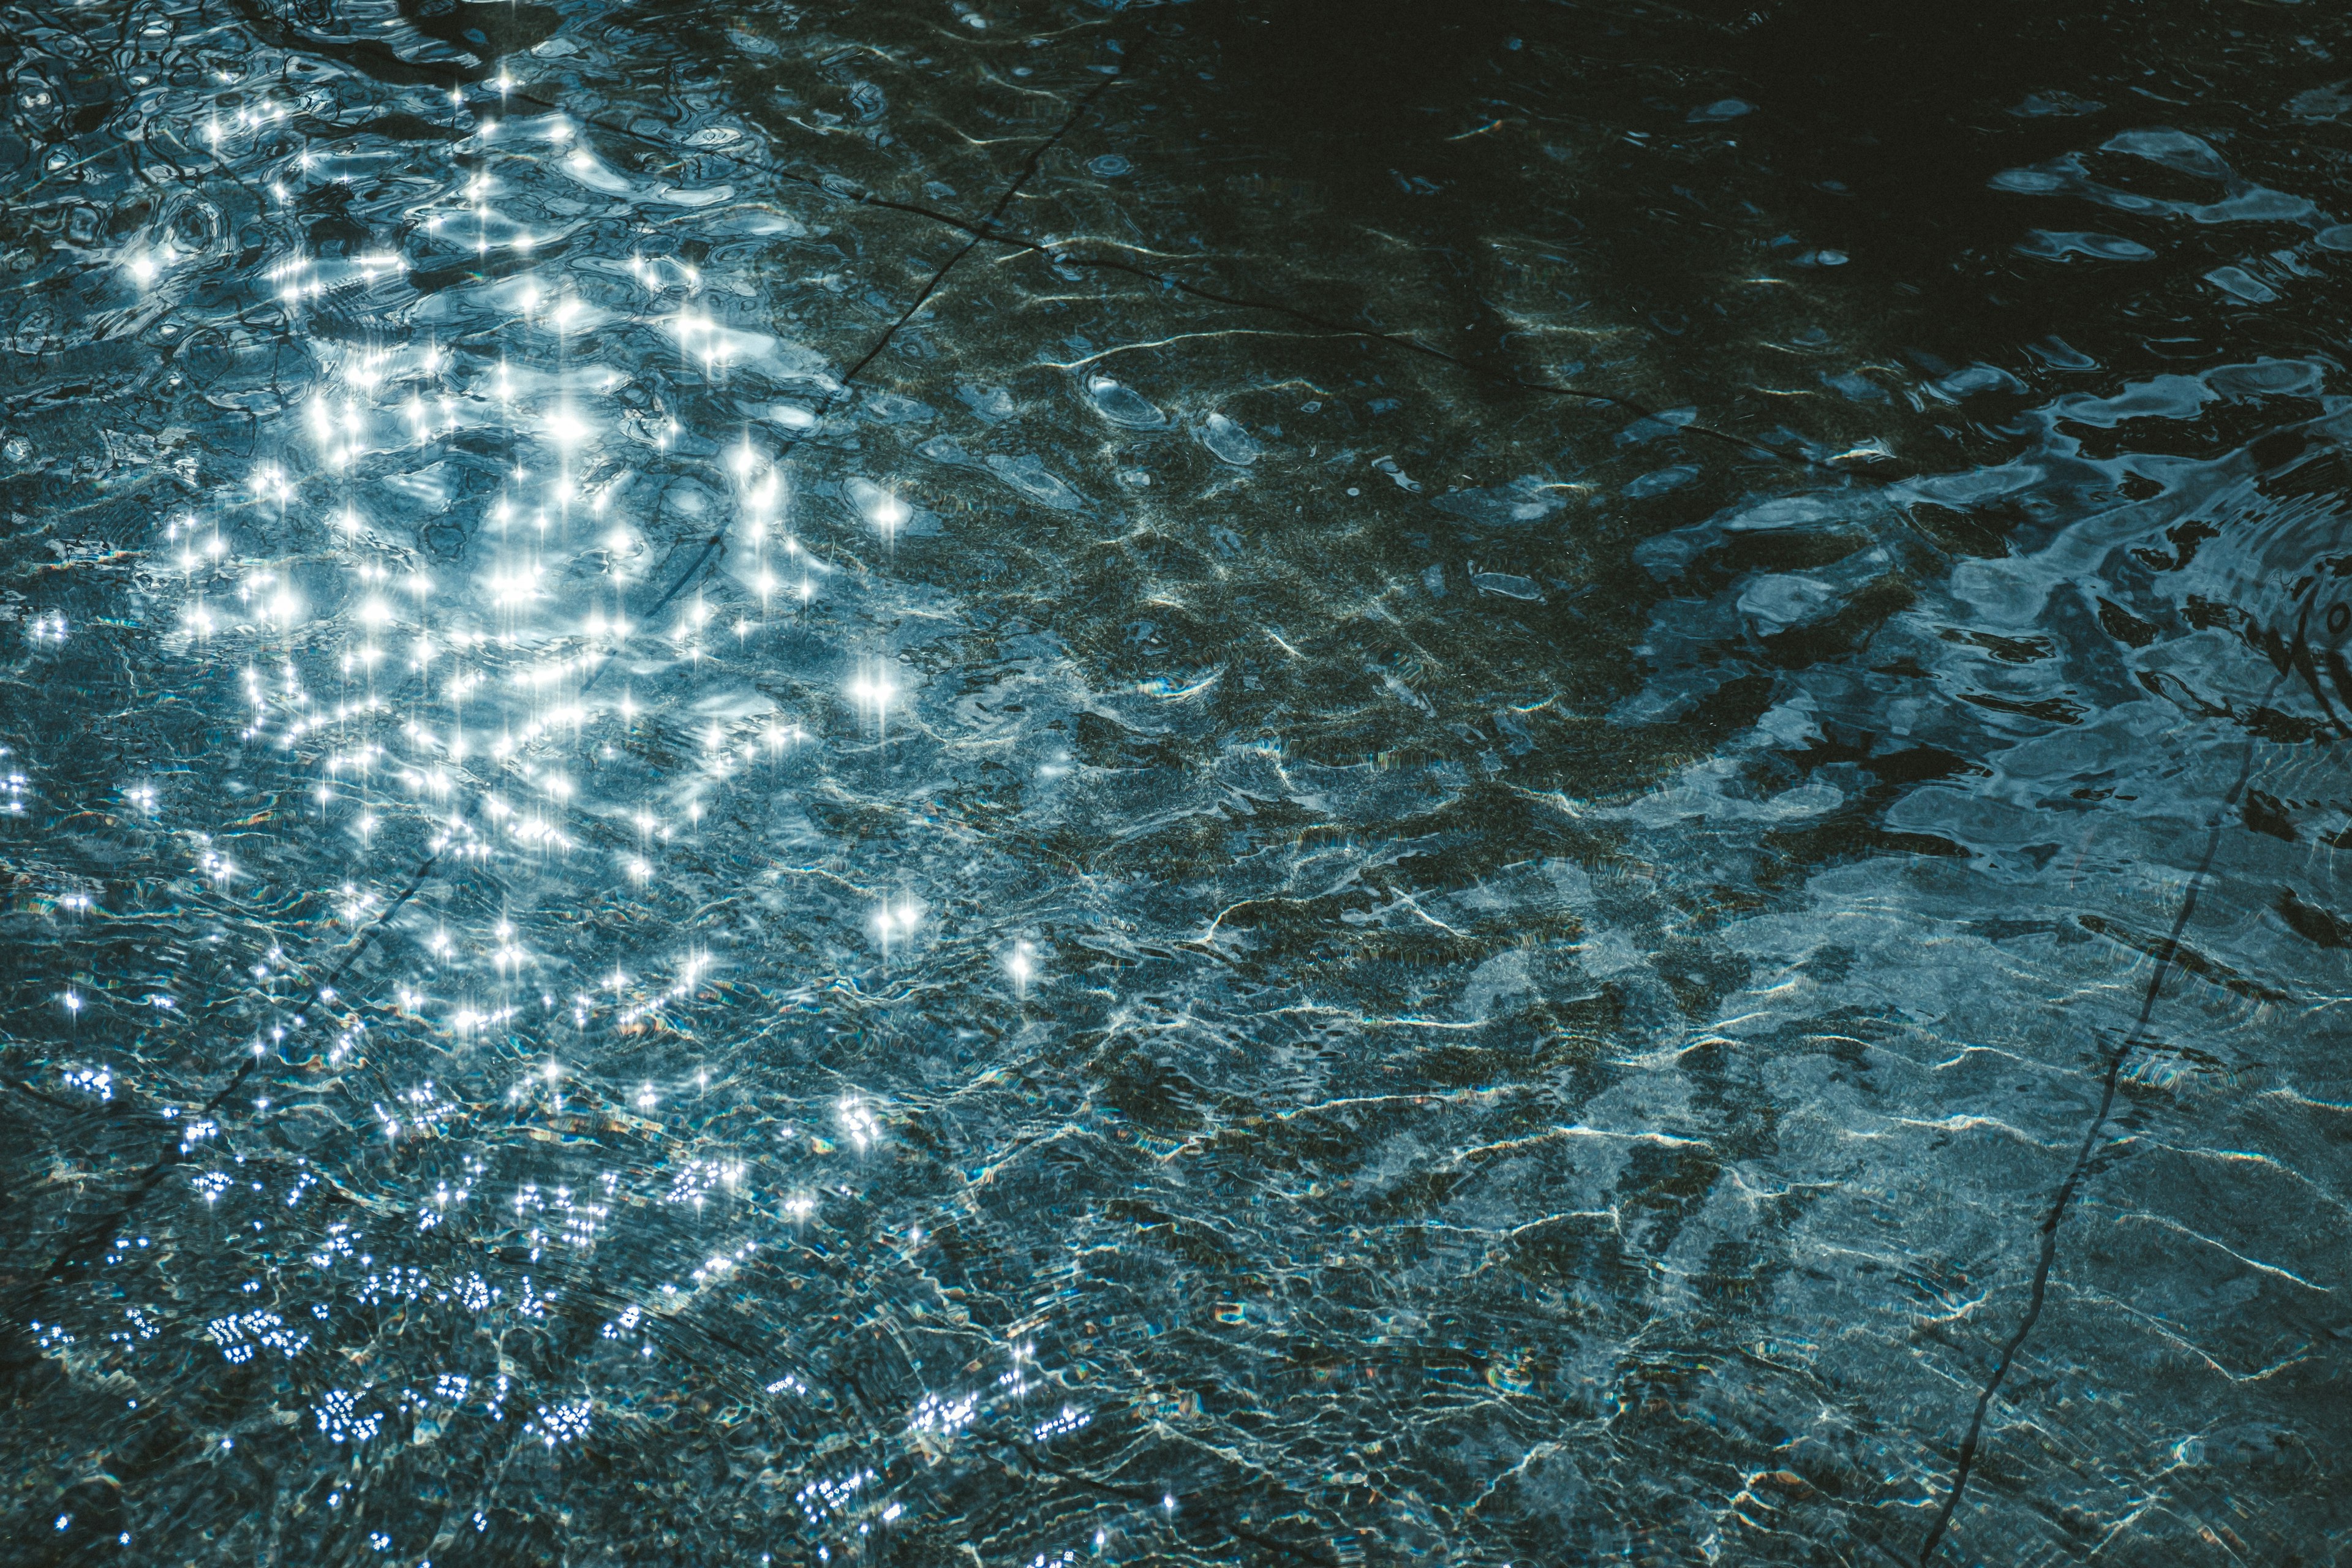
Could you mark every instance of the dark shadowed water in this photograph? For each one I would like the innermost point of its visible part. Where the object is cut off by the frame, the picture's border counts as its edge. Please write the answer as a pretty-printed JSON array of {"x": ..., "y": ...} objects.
[{"x": 1002, "y": 783}]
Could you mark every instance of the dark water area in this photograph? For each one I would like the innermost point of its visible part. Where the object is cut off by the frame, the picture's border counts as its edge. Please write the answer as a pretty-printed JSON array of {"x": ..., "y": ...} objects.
[{"x": 1010, "y": 784}]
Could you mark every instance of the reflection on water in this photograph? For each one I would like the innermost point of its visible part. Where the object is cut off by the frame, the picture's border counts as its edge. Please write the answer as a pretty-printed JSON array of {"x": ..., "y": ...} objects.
[{"x": 1009, "y": 784}]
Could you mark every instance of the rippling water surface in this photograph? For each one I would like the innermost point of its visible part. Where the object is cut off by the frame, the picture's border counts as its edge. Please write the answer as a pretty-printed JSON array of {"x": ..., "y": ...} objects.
[{"x": 1008, "y": 784}]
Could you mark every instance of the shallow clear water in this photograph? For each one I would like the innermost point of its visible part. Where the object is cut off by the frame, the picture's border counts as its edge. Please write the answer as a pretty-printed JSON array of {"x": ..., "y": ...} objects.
[{"x": 1004, "y": 783}]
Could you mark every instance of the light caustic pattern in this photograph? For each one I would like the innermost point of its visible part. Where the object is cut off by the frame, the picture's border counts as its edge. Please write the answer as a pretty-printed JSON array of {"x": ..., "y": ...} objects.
[
  {"x": 485, "y": 704},
  {"x": 748, "y": 819}
]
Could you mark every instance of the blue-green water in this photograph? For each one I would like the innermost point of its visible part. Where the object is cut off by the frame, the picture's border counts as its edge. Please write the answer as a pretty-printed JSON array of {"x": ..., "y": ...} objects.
[{"x": 1014, "y": 783}]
